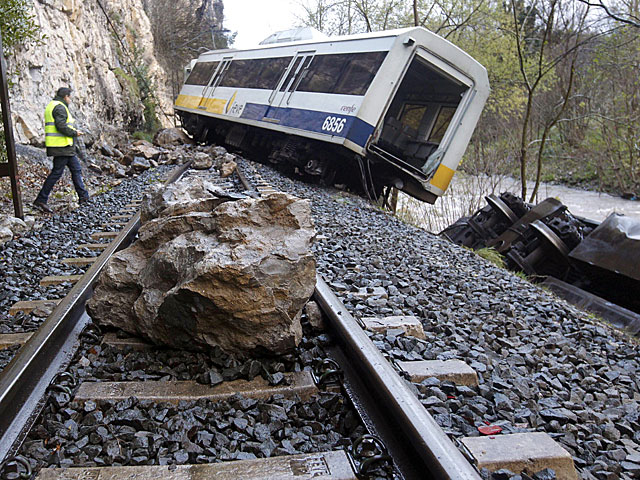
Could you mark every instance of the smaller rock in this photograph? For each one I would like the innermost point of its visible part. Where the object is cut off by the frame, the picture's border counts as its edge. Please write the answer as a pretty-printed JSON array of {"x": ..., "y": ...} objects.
[
  {"x": 30, "y": 220},
  {"x": 314, "y": 315},
  {"x": 119, "y": 171},
  {"x": 11, "y": 226},
  {"x": 202, "y": 161},
  {"x": 546, "y": 474},
  {"x": 6, "y": 235},
  {"x": 502, "y": 474},
  {"x": 217, "y": 151},
  {"x": 227, "y": 168},
  {"x": 106, "y": 149},
  {"x": 502, "y": 402},
  {"x": 140, "y": 164},
  {"x": 145, "y": 150}
]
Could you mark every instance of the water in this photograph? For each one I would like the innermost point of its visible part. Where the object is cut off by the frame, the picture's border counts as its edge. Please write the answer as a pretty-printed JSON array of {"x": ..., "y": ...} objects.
[{"x": 466, "y": 195}]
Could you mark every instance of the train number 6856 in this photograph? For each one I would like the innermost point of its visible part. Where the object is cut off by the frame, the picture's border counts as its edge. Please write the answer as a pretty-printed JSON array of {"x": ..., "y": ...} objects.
[{"x": 334, "y": 124}]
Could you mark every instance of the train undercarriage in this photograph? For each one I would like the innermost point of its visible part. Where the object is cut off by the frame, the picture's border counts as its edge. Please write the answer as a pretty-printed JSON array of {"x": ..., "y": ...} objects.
[{"x": 313, "y": 160}]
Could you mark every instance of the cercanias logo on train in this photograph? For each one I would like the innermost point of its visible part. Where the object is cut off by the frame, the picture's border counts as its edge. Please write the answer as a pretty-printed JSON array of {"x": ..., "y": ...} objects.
[{"x": 232, "y": 107}]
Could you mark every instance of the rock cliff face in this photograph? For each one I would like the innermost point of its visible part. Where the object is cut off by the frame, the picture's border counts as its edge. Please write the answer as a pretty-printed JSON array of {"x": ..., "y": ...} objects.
[{"x": 81, "y": 49}]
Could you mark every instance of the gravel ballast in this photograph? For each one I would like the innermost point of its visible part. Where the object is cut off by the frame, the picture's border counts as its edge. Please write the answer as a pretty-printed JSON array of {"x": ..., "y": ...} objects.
[
  {"x": 132, "y": 432},
  {"x": 543, "y": 365}
]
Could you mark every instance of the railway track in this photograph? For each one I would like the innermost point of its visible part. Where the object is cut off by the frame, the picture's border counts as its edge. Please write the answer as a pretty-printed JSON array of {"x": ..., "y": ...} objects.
[{"x": 392, "y": 435}]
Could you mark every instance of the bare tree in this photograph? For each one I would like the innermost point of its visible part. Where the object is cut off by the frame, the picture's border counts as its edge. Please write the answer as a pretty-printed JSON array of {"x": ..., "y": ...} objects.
[
  {"x": 547, "y": 34},
  {"x": 182, "y": 29},
  {"x": 630, "y": 17}
]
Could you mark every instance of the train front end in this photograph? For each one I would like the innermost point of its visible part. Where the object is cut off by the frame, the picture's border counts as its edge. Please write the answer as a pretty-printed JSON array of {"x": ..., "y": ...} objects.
[{"x": 434, "y": 94}]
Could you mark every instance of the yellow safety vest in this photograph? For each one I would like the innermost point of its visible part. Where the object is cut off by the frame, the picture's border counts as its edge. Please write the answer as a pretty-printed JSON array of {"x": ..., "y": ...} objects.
[{"x": 52, "y": 137}]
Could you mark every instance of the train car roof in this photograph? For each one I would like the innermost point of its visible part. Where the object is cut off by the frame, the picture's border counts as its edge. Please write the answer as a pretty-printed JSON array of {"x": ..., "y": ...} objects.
[
  {"x": 342, "y": 38},
  {"x": 358, "y": 36},
  {"x": 421, "y": 34},
  {"x": 442, "y": 47}
]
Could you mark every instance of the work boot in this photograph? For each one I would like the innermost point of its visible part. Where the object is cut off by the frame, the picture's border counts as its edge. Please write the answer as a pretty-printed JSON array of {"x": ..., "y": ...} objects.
[
  {"x": 83, "y": 200},
  {"x": 42, "y": 206}
]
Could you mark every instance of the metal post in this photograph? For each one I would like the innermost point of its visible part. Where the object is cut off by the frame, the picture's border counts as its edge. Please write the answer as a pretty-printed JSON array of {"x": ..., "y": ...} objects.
[{"x": 9, "y": 169}]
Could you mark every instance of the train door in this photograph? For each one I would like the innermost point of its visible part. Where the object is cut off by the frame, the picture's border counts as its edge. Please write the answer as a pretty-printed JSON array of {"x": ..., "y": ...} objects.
[
  {"x": 216, "y": 78},
  {"x": 290, "y": 80},
  {"x": 416, "y": 126}
]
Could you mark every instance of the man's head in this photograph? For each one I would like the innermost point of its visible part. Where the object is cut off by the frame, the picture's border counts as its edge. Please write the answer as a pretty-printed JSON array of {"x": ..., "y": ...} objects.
[{"x": 64, "y": 93}]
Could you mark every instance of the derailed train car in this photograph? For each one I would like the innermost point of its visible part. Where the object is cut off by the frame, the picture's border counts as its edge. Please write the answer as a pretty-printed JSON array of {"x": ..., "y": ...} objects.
[{"x": 393, "y": 108}]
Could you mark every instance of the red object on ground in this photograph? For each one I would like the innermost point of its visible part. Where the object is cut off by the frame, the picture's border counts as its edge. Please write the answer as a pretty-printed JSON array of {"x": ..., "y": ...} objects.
[{"x": 489, "y": 429}]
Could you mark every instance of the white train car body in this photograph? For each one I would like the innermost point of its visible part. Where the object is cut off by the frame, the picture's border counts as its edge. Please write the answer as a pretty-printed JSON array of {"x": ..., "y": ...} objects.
[{"x": 400, "y": 105}]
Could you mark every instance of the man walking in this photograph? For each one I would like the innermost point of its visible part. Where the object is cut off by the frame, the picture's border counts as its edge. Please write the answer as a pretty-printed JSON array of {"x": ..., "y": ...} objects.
[{"x": 60, "y": 133}]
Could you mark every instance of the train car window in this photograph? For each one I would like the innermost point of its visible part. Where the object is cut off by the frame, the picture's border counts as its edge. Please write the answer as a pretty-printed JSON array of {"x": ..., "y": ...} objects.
[
  {"x": 270, "y": 72},
  {"x": 324, "y": 72},
  {"x": 346, "y": 73},
  {"x": 412, "y": 115},
  {"x": 241, "y": 74},
  {"x": 291, "y": 74},
  {"x": 201, "y": 73},
  {"x": 442, "y": 123},
  {"x": 358, "y": 75}
]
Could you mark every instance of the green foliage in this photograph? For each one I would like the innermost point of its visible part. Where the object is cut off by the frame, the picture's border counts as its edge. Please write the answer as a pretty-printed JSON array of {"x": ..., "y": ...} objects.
[
  {"x": 102, "y": 189},
  {"x": 565, "y": 90},
  {"x": 143, "y": 136},
  {"x": 521, "y": 275},
  {"x": 135, "y": 78},
  {"x": 127, "y": 82},
  {"x": 148, "y": 97},
  {"x": 17, "y": 24},
  {"x": 492, "y": 255},
  {"x": 18, "y": 27}
]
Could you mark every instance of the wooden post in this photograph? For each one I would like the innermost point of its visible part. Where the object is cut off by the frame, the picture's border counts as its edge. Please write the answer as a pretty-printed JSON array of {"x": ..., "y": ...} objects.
[{"x": 9, "y": 169}]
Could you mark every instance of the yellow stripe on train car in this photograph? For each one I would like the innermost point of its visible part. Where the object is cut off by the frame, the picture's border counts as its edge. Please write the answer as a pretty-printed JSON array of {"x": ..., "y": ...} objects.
[
  {"x": 442, "y": 177},
  {"x": 188, "y": 101},
  {"x": 212, "y": 105}
]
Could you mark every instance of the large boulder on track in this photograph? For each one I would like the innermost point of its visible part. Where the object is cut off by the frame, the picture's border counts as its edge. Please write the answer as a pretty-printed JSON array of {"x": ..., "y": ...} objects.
[{"x": 208, "y": 270}]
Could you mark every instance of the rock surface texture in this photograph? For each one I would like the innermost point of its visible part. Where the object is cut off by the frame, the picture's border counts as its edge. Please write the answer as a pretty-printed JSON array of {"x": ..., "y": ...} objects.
[
  {"x": 10, "y": 226},
  {"x": 79, "y": 49},
  {"x": 210, "y": 271},
  {"x": 166, "y": 137}
]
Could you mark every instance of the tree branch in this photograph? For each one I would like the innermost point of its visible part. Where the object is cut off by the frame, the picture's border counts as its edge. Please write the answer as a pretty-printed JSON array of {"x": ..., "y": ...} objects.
[{"x": 633, "y": 20}]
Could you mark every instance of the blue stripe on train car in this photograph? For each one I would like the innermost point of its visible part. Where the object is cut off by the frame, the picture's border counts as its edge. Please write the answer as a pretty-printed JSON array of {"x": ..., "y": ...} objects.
[{"x": 355, "y": 129}]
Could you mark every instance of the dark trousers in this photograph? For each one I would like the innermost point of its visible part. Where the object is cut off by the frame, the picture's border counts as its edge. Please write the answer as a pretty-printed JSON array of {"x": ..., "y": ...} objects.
[{"x": 58, "y": 169}]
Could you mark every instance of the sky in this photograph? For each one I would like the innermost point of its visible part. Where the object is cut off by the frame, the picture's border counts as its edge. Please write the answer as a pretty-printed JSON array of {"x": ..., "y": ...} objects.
[{"x": 255, "y": 20}]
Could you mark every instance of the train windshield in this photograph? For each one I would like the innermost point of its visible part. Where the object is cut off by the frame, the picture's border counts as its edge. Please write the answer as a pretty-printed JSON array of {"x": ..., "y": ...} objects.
[{"x": 420, "y": 114}]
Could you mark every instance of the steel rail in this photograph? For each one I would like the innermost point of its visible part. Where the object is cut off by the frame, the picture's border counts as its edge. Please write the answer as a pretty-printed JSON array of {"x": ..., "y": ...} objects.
[
  {"x": 432, "y": 453},
  {"x": 23, "y": 383}
]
